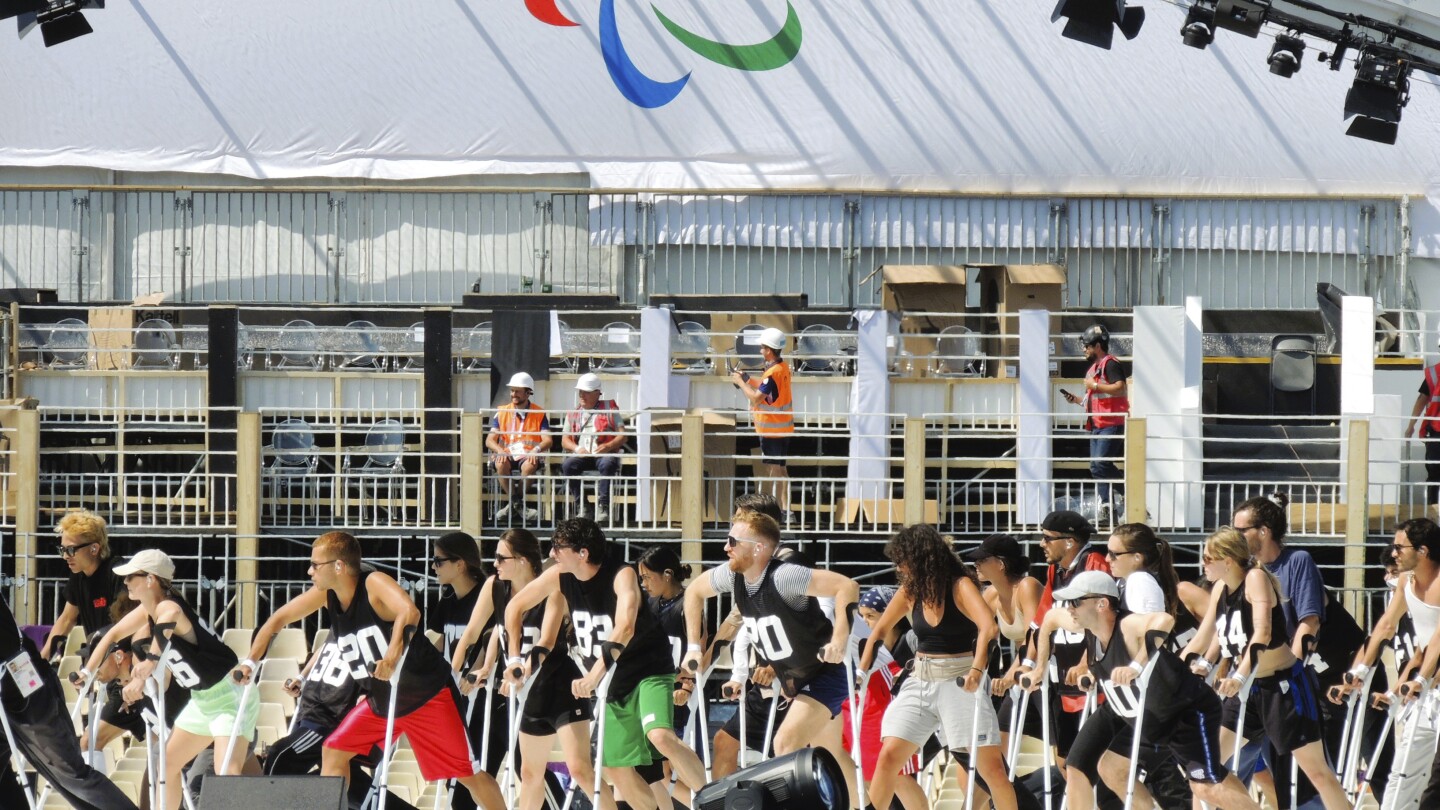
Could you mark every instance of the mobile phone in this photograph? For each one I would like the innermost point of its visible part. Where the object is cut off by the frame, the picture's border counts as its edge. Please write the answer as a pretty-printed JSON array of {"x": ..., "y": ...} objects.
[{"x": 1066, "y": 394}]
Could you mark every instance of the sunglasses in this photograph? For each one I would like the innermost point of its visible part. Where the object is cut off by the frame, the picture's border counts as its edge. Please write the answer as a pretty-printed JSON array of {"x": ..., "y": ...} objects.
[
  {"x": 436, "y": 562},
  {"x": 71, "y": 551},
  {"x": 1111, "y": 555},
  {"x": 732, "y": 540},
  {"x": 554, "y": 547},
  {"x": 1393, "y": 547},
  {"x": 500, "y": 558}
]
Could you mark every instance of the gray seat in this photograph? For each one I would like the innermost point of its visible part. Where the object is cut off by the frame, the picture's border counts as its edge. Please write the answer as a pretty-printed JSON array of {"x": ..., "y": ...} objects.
[
  {"x": 297, "y": 347},
  {"x": 817, "y": 350},
  {"x": 690, "y": 348},
  {"x": 619, "y": 348},
  {"x": 1292, "y": 375},
  {"x": 958, "y": 353},
  {"x": 361, "y": 347},
  {"x": 69, "y": 344},
  {"x": 747, "y": 347},
  {"x": 155, "y": 345}
]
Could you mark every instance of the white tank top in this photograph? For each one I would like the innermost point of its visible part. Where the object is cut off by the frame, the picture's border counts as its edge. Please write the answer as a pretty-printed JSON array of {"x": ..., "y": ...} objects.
[
  {"x": 1425, "y": 616},
  {"x": 1016, "y": 631}
]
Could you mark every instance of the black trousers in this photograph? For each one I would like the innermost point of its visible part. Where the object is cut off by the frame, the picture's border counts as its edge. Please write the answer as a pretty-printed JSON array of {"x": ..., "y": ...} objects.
[{"x": 42, "y": 730}]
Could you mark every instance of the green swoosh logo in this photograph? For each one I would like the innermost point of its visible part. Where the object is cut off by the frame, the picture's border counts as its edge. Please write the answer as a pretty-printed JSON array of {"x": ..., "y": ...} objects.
[{"x": 775, "y": 52}]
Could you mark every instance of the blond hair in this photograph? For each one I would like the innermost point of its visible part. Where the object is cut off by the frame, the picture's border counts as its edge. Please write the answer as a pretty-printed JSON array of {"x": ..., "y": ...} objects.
[
  {"x": 87, "y": 527},
  {"x": 1227, "y": 542},
  {"x": 342, "y": 546},
  {"x": 759, "y": 523}
]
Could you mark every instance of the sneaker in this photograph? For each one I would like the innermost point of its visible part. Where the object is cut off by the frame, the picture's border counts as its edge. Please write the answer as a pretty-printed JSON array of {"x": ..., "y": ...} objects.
[
  {"x": 503, "y": 512},
  {"x": 602, "y": 514},
  {"x": 1102, "y": 516},
  {"x": 532, "y": 515}
]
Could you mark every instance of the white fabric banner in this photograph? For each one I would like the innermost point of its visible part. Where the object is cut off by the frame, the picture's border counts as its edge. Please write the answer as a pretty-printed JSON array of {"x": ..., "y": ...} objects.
[{"x": 978, "y": 96}]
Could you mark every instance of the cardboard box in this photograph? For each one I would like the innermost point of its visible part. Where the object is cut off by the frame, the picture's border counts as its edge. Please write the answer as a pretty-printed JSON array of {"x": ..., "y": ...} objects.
[
  {"x": 725, "y": 326},
  {"x": 112, "y": 329},
  {"x": 665, "y": 451},
  {"x": 929, "y": 298},
  {"x": 1005, "y": 289}
]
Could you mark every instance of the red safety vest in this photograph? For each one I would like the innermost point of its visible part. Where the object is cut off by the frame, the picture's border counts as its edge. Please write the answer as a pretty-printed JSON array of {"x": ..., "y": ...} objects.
[
  {"x": 1430, "y": 417},
  {"x": 1104, "y": 409}
]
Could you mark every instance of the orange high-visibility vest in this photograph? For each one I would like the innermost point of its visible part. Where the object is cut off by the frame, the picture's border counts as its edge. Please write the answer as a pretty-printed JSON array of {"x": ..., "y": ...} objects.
[
  {"x": 775, "y": 418},
  {"x": 520, "y": 435},
  {"x": 1430, "y": 417},
  {"x": 1105, "y": 409}
]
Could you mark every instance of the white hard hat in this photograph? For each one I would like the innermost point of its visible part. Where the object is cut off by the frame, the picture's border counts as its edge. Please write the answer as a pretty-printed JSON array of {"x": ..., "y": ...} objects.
[
  {"x": 588, "y": 382},
  {"x": 522, "y": 380},
  {"x": 773, "y": 338}
]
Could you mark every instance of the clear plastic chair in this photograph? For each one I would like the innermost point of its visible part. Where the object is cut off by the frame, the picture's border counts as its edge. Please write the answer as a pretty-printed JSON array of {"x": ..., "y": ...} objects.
[
  {"x": 958, "y": 353},
  {"x": 293, "y": 465},
  {"x": 244, "y": 347},
  {"x": 477, "y": 345},
  {"x": 69, "y": 344},
  {"x": 297, "y": 347},
  {"x": 374, "y": 473},
  {"x": 817, "y": 350},
  {"x": 690, "y": 348},
  {"x": 566, "y": 361},
  {"x": 361, "y": 347},
  {"x": 620, "y": 345},
  {"x": 155, "y": 345},
  {"x": 415, "y": 351},
  {"x": 747, "y": 347}
]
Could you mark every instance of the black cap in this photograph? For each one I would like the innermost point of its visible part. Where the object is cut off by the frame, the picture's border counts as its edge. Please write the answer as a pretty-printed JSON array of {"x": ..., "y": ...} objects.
[
  {"x": 996, "y": 545},
  {"x": 1068, "y": 522}
]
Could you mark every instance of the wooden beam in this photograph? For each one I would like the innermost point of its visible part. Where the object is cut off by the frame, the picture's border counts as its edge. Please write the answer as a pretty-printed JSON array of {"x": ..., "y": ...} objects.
[{"x": 248, "y": 461}]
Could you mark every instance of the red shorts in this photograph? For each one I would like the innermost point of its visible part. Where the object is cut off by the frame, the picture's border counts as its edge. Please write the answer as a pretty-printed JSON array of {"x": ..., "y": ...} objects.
[{"x": 436, "y": 732}]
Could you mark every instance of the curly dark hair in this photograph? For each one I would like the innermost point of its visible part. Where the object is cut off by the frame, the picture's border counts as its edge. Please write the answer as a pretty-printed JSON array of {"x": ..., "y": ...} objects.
[
  {"x": 585, "y": 535},
  {"x": 1269, "y": 511},
  {"x": 930, "y": 564}
]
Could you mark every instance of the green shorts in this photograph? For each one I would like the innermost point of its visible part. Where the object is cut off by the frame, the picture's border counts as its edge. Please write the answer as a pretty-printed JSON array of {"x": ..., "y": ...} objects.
[
  {"x": 211, "y": 712},
  {"x": 627, "y": 722}
]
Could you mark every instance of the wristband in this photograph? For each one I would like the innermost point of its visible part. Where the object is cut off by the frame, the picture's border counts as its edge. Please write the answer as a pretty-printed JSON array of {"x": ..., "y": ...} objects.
[
  {"x": 692, "y": 647},
  {"x": 1136, "y": 665},
  {"x": 1028, "y": 663},
  {"x": 1359, "y": 671},
  {"x": 514, "y": 660},
  {"x": 1205, "y": 662},
  {"x": 1236, "y": 678},
  {"x": 248, "y": 663},
  {"x": 1423, "y": 682}
]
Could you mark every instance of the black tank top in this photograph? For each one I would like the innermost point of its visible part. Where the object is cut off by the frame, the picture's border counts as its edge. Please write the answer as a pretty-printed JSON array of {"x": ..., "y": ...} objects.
[
  {"x": 176, "y": 696},
  {"x": 954, "y": 634},
  {"x": 557, "y": 670},
  {"x": 592, "y": 615},
  {"x": 1405, "y": 642},
  {"x": 1172, "y": 687},
  {"x": 1185, "y": 629},
  {"x": 789, "y": 639},
  {"x": 671, "y": 615},
  {"x": 331, "y": 688},
  {"x": 199, "y": 664},
  {"x": 364, "y": 637},
  {"x": 449, "y": 618},
  {"x": 1235, "y": 625}
]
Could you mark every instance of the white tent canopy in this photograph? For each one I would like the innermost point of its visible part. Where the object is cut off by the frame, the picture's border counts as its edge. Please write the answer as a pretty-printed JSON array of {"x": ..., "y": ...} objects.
[{"x": 973, "y": 96}]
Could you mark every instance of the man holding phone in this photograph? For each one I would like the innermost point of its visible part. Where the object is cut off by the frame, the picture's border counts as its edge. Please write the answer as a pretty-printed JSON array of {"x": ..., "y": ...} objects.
[{"x": 1106, "y": 404}]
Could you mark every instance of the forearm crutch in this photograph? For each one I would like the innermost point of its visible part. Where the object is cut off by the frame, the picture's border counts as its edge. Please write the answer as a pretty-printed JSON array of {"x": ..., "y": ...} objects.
[
  {"x": 1392, "y": 711},
  {"x": 698, "y": 716},
  {"x": 518, "y": 698},
  {"x": 601, "y": 692},
  {"x": 1049, "y": 758},
  {"x": 744, "y": 698},
  {"x": 224, "y": 764},
  {"x": 1153, "y": 641},
  {"x": 861, "y": 799},
  {"x": 770, "y": 724},
  {"x": 384, "y": 780},
  {"x": 1244, "y": 697},
  {"x": 974, "y": 744},
  {"x": 18, "y": 762},
  {"x": 1017, "y": 727},
  {"x": 1353, "y": 735}
]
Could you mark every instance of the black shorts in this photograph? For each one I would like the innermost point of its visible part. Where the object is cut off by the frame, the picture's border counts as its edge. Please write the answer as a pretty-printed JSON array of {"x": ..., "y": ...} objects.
[
  {"x": 757, "y": 715},
  {"x": 1193, "y": 738},
  {"x": 1102, "y": 731},
  {"x": 774, "y": 449},
  {"x": 551, "y": 705},
  {"x": 1284, "y": 707}
]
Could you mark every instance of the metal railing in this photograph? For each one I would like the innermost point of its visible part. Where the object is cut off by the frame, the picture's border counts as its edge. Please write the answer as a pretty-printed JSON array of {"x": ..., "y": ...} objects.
[{"x": 432, "y": 245}]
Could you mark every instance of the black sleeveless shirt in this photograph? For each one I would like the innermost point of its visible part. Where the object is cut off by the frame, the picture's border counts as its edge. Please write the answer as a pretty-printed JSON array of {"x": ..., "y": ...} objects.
[
  {"x": 592, "y": 615},
  {"x": 671, "y": 615},
  {"x": 449, "y": 618},
  {"x": 331, "y": 688},
  {"x": 199, "y": 664},
  {"x": 363, "y": 638},
  {"x": 1235, "y": 624},
  {"x": 1172, "y": 687},
  {"x": 789, "y": 639},
  {"x": 954, "y": 634},
  {"x": 558, "y": 669}
]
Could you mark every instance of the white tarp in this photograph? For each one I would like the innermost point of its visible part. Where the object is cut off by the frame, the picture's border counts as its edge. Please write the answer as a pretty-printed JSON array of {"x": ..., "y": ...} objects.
[{"x": 964, "y": 95}]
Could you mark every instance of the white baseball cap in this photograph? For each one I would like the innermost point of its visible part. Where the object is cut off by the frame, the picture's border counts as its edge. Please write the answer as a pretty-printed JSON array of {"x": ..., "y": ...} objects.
[
  {"x": 588, "y": 382},
  {"x": 773, "y": 338},
  {"x": 150, "y": 561},
  {"x": 522, "y": 380}
]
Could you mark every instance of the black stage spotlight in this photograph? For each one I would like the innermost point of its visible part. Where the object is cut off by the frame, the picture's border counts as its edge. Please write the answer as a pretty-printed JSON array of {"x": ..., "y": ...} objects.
[
  {"x": 1241, "y": 16},
  {"x": 1199, "y": 28},
  {"x": 59, "y": 20},
  {"x": 1380, "y": 92},
  {"x": 1094, "y": 21},
  {"x": 1286, "y": 55},
  {"x": 806, "y": 778}
]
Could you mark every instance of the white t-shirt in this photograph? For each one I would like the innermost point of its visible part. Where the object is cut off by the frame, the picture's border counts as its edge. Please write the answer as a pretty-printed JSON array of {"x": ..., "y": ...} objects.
[{"x": 1143, "y": 594}]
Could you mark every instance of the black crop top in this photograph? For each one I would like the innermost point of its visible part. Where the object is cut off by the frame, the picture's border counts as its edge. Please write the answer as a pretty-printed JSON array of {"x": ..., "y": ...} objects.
[
  {"x": 1235, "y": 624},
  {"x": 954, "y": 634}
]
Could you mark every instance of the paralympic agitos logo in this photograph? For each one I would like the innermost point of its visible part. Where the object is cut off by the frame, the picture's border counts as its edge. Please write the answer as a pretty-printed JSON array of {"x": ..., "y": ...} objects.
[{"x": 643, "y": 91}]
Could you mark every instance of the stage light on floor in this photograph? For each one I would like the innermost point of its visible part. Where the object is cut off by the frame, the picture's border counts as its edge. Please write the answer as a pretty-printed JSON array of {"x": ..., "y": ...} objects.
[
  {"x": 1375, "y": 100},
  {"x": 1199, "y": 28},
  {"x": 809, "y": 777},
  {"x": 1286, "y": 55},
  {"x": 1093, "y": 21},
  {"x": 58, "y": 20}
]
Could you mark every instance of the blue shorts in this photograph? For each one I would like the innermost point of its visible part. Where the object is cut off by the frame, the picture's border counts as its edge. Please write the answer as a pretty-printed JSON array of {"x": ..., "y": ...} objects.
[
  {"x": 828, "y": 688},
  {"x": 774, "y": 450}
]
